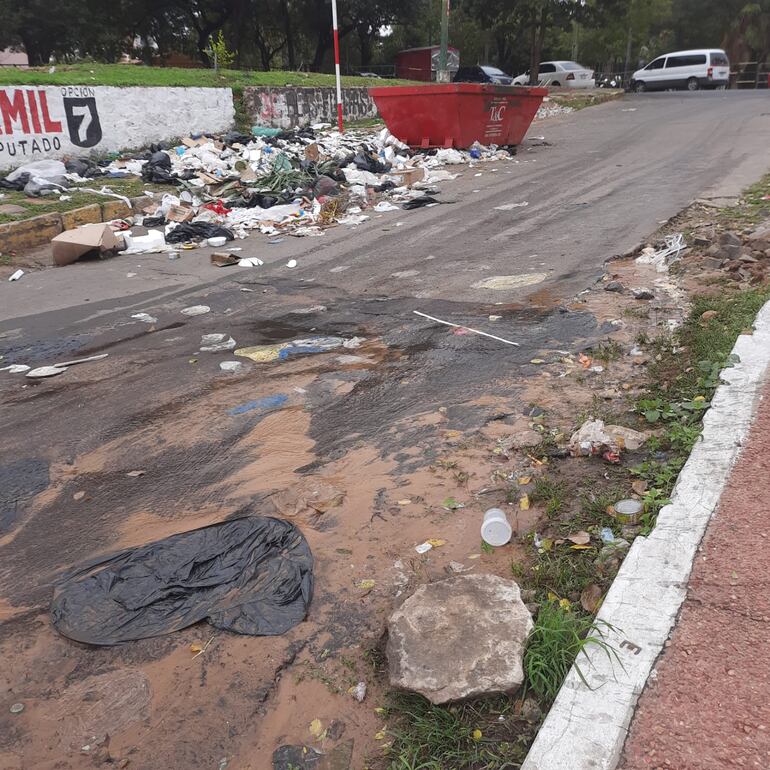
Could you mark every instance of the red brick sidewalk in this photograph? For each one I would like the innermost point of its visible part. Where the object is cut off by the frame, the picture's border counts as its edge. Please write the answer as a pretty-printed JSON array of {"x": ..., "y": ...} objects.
[{"x": 708, "y": 708}]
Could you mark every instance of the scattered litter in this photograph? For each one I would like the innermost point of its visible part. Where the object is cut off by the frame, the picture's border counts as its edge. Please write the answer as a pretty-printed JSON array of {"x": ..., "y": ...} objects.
[
  {"x": 384, "y": 206},
  {"x": 16, "y": 708},
  {"x": 217, "y": 241},
  {"x": 511, "y": 206},
  {"x": 359, "y": 691},
  {"x": 627, "y": 511},
  {"x": 266, "y": 404},
  {"x": 366, "y": 585},
  {"x": 250, "y": 262},
  {"x": 223, "y": 259},
  {"x": 15, "y": 276},
  {"x": 429, "y": 544},
  {"x": 136, "y": 474},
  {"x": 213, "y": 343},
  {"x": 251, "y": 575},
  {"x": 639, "y": 486},
  {"x": 233, "y": 367},
  {"x": 607, "y": 535},
  {"x": 596, "y": 438},
  {"x": 16, "y": 369},
  {"x": 495, "y": 529},
  {"x": 353, "y": 342},
  {"x": 495, "y": 317},
  {"x": 46, "y": 371},
  {"x": 450, "y": 504},
  {"x": 276, "y": 241},
  {"x": 285, "y": 350},
  {"x": 196, "y": 310},
  {"x": 458, "y": 567},
  {"x": 69, "y": 246},
  {"x": 663, "y": 258},
  {"x": 198, "y": 650},
  {"x": 291, "y": 263},
  {"x": 152, "y": 243},
  {"x": 145, "y": 318},
  {"x": 643, "y": 293},
  {"x": 524, "y": 503},
  {"x": 76, "y": 361},
  {"x": 467, "y": 328},
  {"x": 78, "y": 495},
  {"x": 579, "y": 538}
]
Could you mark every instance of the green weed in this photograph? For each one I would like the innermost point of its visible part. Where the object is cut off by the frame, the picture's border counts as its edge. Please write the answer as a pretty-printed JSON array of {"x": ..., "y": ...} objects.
[
  {"x": 557, "y": 640},
  {"x": 469, "y": 736},
  {"x": 552, "y": 493}
]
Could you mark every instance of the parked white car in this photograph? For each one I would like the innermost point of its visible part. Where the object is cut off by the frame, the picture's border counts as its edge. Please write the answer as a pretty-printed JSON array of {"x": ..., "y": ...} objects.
[
  {"x": 704, "y": 68},
  {"x": 569, "y": 74}
]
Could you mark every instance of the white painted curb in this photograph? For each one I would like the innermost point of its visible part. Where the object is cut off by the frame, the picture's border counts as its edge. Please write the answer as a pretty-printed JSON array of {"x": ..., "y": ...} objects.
[{"x": 587, "y": 726}]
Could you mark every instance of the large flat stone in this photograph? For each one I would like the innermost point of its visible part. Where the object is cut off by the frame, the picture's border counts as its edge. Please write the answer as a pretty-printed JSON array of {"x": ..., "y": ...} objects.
[{"x": 459, "y": 638}]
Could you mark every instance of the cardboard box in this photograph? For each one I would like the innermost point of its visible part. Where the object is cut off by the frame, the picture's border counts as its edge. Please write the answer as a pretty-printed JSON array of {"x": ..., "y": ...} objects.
[
  {"x": 406, "y": 177},
  {"x": 180, "y": 214},
  {"x": 69, "y": 246}
]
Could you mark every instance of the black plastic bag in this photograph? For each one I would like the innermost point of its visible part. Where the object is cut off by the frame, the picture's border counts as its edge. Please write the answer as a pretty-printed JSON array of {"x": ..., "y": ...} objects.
[
  {"x": 158, "y": 168},
  {"x": 418, "y": 203},
  {"x": 252, "y": 575},
  {"x": 197, "y": 231},
  {"x": 154, "y": 221},
  {"x": 17, "y": 184}
]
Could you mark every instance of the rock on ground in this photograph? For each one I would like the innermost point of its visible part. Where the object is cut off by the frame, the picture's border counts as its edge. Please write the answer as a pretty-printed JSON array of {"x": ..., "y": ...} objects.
[{"x": 459, "y": 638}]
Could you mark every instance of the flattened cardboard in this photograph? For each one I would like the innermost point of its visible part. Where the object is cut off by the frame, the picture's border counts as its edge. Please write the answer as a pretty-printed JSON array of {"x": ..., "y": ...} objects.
[{"x": 69, "y": 246}]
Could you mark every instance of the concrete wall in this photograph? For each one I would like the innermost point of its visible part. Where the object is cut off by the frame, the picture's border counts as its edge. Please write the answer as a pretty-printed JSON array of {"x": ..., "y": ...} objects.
[
  {"x": 56, "y": 121},
  {"x": 292, "y": 107}
]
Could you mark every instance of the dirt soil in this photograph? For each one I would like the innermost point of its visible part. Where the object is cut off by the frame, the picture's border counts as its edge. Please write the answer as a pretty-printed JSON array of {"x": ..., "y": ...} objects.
[{"x": 374, "y": 452}]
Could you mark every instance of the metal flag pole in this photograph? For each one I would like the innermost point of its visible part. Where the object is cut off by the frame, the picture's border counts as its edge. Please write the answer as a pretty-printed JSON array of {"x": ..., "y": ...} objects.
[{"x": 337, "y": 65}]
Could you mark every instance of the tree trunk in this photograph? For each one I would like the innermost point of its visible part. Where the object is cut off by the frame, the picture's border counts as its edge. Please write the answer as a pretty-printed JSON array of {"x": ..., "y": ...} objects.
[
  {"x": 365, "y": 39},
  {"x": 323, "y": 43},
  {"x": 34, "y": 52},
  {"x": 288, "y": 29},
  {"x": 538, "y": 38}
]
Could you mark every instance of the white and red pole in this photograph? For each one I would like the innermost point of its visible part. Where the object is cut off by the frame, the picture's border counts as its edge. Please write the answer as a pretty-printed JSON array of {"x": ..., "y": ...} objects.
[{"x": 337, "y": 65}]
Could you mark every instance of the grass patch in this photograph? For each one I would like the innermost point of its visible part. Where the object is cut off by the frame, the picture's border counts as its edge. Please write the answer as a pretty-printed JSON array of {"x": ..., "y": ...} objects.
[
  {"x": 137, "y": 75},
  {"x": 560, "y": 571},
  {"x": 559, "y": 636},
  {"x": 552, "y": 493},
  {"x": 684, "y": 377},
  {"x": 607, "y": 351},
  {"x": 130, "y": 187},
  {"x": 581, "y": 100},
  {"x": 751, "y": 208},
  {"x": 484, "y": 734}
]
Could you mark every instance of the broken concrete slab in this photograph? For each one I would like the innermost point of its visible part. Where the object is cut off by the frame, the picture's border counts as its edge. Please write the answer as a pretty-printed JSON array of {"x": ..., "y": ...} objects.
[{"x": 459, "y": 638}]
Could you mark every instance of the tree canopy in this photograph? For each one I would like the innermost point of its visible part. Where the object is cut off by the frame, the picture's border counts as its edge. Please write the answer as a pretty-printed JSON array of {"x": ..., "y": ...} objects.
[{"x": 296, "y": 34}]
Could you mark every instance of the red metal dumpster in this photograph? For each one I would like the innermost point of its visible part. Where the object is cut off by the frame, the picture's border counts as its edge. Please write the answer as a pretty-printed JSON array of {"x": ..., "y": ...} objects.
[{"x": 458, "y": 114}]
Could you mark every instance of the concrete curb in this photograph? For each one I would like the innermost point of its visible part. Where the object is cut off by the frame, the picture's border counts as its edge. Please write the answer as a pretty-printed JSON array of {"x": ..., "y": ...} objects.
[
  {"x": 587, "y": 726},
  {"x": 28, "y": 233}
]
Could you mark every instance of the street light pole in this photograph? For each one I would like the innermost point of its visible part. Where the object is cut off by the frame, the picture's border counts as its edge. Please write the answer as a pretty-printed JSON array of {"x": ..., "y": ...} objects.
[{"x": 442, "y": 76}]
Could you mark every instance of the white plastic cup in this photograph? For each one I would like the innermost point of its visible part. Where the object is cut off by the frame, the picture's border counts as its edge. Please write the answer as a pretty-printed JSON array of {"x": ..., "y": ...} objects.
[{"x": 495, "y": 528}]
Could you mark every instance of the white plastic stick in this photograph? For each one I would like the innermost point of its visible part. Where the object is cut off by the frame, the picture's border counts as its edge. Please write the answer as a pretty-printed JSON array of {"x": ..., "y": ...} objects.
[{"x": 468, "y": 328}]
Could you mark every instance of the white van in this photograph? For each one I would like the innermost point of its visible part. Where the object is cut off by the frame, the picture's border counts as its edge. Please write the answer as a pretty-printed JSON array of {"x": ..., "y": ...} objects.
[{"x": 704, "y": 68}]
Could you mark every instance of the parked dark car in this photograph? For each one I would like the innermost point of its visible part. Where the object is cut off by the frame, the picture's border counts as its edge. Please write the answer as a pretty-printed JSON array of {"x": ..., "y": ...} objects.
[{"x": 479, "y": 74}]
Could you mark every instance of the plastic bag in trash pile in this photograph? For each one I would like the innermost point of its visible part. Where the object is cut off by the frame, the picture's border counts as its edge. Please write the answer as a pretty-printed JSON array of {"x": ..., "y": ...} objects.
[{"x": 252, "y": 575}]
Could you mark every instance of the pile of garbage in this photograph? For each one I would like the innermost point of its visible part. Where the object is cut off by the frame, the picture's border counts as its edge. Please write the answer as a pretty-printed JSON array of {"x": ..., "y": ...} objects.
[{"x": 296, "y": 182}]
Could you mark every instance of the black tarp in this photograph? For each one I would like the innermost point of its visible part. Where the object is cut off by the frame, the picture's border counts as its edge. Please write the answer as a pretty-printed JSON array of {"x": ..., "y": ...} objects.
[{"x": 251, "y": 575}]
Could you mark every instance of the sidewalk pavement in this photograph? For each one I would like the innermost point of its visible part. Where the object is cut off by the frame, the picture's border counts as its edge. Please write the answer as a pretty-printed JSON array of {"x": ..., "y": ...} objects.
[{"x": 707, "y": 704}]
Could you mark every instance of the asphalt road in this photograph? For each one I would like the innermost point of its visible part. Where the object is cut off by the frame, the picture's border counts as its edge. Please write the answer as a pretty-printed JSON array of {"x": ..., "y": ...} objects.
[
  {"x": 606, "y": 179},
  {"x": 371, "y": 421}
]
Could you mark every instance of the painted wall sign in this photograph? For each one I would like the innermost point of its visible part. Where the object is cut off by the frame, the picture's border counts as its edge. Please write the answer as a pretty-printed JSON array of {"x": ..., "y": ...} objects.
[{"x": 61, "y": 121}]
